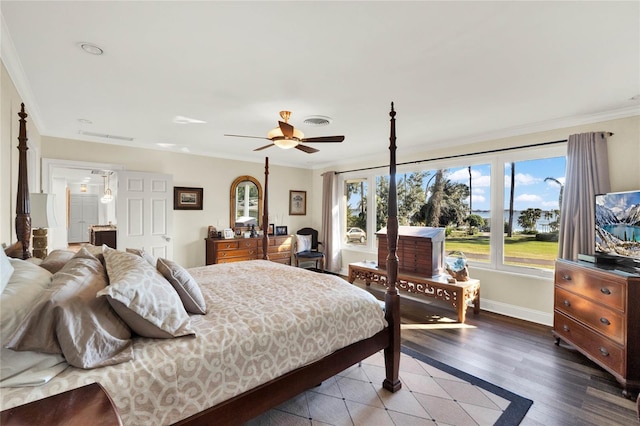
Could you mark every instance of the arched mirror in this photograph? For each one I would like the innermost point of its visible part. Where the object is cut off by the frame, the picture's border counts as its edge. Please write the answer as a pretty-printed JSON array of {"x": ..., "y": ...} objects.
[{"x": 245, "y": 203}]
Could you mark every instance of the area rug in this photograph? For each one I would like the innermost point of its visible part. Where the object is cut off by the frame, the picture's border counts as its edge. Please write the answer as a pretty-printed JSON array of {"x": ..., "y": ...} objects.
[
  {"x": 432, "y": 394},
  {"x": 514, "y": 412}
]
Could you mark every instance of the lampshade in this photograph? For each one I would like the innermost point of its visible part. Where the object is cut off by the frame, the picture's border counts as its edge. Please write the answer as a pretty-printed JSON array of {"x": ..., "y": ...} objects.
[
  {"x": 279, "y": 139},
  {"x": 43, "y": 213}
]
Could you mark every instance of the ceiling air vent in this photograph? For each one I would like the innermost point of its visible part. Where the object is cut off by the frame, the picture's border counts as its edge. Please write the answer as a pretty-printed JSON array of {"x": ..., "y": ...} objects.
[
  {"x": 317, "y": 121},
  {"x": 106, "y": 136}
]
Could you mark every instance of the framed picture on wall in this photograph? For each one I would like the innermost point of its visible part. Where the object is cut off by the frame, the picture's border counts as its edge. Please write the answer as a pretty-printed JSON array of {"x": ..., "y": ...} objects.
[
  {"x": 298, "y": 203},
  {"x": 187, "y": 198}
]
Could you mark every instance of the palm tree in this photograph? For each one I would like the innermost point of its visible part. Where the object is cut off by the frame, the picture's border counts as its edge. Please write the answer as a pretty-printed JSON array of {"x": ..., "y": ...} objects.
[{"x": 550, "y": 179}]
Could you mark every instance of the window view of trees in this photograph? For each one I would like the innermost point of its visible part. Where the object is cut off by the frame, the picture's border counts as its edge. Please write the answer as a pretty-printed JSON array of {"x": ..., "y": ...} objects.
[
  {"x": 532, "y": 199},
  {"x": 356, "y": 193},
  {"x": 459, "y": 200}
]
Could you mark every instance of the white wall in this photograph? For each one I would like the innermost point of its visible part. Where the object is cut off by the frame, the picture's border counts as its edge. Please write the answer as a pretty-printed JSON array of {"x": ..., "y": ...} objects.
[{"x": 214, "y": 175}]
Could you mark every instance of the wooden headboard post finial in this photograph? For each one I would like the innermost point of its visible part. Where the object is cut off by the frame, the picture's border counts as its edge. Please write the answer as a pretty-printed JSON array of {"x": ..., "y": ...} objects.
[
  {"x": 265, "y": 212},
  {"x": 392, "y": 298},
  {"x": 23, "y": 203}
]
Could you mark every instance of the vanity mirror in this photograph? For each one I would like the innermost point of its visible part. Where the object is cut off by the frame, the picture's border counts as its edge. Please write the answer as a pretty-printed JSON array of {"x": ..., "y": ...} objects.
[{"x": 245, "y": 202}]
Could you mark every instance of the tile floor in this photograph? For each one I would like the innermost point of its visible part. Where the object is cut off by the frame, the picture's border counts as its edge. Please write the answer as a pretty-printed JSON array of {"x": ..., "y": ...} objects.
[{"x": 355, "y": 397}]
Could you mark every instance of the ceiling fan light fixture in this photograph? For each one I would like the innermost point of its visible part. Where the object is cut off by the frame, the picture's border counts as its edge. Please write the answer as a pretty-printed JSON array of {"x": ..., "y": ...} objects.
[{"x": 285, "y": 143}]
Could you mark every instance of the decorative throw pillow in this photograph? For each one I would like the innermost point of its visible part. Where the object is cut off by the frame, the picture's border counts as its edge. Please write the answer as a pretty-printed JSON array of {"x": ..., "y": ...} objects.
[
  {"x": 187, "y": 288},
  {"x": 56, "y": 260},
  {"x": 143, "y": 254},
  {"x": 5, "y": 270},
  {"x": 143, "y": 298},
  {"x": 303, "y": 243},
  {"x": 70, "y": 320}
]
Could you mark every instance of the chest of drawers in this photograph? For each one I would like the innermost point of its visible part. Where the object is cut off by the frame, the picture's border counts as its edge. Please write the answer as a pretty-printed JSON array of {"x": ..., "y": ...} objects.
[
  {"x": 235, "y": 250},
  {"x": 597, "y": 310}
]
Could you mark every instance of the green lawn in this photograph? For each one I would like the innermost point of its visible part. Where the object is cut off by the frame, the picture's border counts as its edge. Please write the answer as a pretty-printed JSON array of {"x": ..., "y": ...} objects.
[{"x": 517, "y": 249}]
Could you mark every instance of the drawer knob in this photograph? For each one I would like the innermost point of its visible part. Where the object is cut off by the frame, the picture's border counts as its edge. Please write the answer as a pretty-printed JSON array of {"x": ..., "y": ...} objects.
[
  {"x": 604, "y": 351},
  {"x": 565, "y": 328},
  {"x": 605, "y": 321},
  {"x": 567, "y": 303},
  {"x": 605, "y": 290},
  {"x": 566, "y": 277}
]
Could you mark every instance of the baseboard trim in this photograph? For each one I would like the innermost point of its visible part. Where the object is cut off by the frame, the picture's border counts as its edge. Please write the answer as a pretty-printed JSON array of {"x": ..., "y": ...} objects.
[{"x": 531, "y": 315}]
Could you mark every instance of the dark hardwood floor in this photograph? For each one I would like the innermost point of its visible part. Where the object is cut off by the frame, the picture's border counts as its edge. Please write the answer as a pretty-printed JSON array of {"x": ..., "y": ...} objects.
[{"x": 520, "y": 356}]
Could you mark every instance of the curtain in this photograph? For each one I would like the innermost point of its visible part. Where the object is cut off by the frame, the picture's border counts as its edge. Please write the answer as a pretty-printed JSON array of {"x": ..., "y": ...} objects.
[
  {"x": 587, "y": 175},
  {"x": 331, "y": 222}
]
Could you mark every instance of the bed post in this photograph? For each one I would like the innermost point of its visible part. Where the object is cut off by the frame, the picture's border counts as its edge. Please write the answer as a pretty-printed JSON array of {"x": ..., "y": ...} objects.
[
  {"x": 23, "y": 203},
  {"x": 392, "y": 298},
  {"x": 265, "y": 212}
]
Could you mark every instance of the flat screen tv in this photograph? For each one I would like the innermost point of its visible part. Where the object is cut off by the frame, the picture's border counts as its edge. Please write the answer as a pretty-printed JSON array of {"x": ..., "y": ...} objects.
[{"x": 618, "y": 225}]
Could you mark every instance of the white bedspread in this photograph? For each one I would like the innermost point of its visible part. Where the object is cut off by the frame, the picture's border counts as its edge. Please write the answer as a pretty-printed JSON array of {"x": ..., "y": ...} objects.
[{"x": 264, "y": 319}]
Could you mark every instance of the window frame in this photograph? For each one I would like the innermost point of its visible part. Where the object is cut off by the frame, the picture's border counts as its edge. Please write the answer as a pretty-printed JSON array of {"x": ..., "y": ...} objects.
[{"x": 496, "y": 161}]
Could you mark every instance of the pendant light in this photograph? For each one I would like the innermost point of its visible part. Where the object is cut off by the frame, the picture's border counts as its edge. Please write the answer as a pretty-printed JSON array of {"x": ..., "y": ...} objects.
[{"x": 107, "y": 197}]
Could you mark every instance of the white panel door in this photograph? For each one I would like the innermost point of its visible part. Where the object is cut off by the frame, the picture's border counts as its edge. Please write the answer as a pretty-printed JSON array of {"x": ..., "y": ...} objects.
[
  {"x": 145, "y": 212},
  {"x": 83, "y": 212}
]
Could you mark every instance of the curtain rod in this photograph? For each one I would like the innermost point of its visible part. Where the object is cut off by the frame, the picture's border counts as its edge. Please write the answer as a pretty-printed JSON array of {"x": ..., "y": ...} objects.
[{"x": 491, "y": 151}]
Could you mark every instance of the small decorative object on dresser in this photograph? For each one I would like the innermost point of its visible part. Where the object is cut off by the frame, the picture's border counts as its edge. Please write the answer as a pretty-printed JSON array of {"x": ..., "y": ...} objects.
[
  {"x": 187, "y": 198},
  {"x": 228, "y": 233},
  {"x": 281, "y": 230},
  {"x": 298, "y": 203},
  {"x": 596, "y": 311},
  {"x": 271, "y": 229}
]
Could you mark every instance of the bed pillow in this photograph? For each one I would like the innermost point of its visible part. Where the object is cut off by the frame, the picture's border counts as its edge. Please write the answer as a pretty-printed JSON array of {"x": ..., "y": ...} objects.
[
  {"x": 143, "y": 298},
  {"x": 96, "y": 251},
  {"x": 187, "y": 288},
  {"x": 56, "y": 260},
  {"x": 5, "y": 270},
  {"x": 26, "y": 285},
  {"x": 143, "y": 254},
  {"x": 70, "y": 320},
  {"x": 303, "y": 243}
]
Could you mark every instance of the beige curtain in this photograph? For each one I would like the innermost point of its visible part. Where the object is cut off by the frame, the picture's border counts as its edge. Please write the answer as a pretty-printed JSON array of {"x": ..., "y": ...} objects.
[
  {"x": 331, "y": 222},
  {"x": 587, "y": 175}
]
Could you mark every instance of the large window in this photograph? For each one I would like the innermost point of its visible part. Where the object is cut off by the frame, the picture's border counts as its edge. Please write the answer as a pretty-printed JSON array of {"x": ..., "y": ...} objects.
[{"x": 493, "y": 222}]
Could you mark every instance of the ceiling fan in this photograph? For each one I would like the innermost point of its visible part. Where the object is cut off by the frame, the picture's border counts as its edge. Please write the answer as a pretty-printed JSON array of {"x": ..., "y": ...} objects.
[{"x": 286, "y": 136}]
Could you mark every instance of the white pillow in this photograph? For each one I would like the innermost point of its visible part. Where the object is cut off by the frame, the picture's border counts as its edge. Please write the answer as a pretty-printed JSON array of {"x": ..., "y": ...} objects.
[
  {"x": 5, "y": 270},
  {"x": 24, "y": 289},
  {"x": 303, "y": 243}
]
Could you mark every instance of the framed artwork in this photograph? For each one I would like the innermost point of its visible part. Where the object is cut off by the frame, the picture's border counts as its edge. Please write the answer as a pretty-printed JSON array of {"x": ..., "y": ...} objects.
[
  {"x": 271, "y": 229},
  {"x": 228, "y": 233},
  {"x": 281, "y": 230},
  {"x": 297, "y": 203},
  {"x": 187, "y": 198}
]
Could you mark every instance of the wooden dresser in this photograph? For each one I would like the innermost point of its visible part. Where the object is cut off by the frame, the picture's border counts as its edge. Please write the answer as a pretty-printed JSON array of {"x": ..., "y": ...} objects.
[
  {"x": 420, "y": 250},
  {"x": 237, "y": 249},
  {"x": 597, "y": 310},
  {"x": 99, "y": 235}
]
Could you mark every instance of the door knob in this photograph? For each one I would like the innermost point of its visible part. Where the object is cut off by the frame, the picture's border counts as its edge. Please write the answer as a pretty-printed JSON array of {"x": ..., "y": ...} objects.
[{"x": 166, "y": 238}]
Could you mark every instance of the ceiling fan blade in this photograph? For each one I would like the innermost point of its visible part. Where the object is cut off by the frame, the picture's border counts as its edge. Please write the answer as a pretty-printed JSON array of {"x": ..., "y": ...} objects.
[
  {"x": 307, "y": 149},
  {"x": 287, "y": 129},
  {"x": 245, "y": 136},
  {"x": 324, "y": 139},
  {"x": 264, "y": 147}
]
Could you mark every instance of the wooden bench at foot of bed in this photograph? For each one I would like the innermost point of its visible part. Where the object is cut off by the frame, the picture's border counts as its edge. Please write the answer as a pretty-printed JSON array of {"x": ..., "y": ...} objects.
[{"x": 456, "y": 294}]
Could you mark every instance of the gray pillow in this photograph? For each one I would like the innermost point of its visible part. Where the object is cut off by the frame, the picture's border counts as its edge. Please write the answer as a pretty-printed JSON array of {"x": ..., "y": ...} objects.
[
  {"x": 70, "y": 320},
  {"x": 187, "y": 288},
  {"x": 143, "y": 298},
  {"x": 56, "y": 260}
]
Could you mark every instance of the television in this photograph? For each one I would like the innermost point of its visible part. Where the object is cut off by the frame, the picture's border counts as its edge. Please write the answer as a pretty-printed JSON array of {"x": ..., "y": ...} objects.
[{"x": 617, "y": 224}]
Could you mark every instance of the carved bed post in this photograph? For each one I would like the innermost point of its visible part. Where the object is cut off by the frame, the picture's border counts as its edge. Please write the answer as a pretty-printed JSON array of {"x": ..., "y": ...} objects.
[
  {"x": 23, "y": 203},
  {"x": 392, "y": 298},
  {"x": 265, "y": 212}
]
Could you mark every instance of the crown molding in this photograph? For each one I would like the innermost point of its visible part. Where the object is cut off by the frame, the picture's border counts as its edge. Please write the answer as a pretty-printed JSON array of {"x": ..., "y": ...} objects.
[{"x": 16, "y": 72}]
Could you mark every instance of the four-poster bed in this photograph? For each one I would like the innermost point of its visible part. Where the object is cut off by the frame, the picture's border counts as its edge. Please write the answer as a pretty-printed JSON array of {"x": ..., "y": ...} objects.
[{"x": 190, "y": 403}]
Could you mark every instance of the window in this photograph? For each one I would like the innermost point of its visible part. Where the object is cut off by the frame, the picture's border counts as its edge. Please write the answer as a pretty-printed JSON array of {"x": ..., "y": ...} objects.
[
  {"x": 472, "y": 202},
  {"x": 355, "y": 191}
]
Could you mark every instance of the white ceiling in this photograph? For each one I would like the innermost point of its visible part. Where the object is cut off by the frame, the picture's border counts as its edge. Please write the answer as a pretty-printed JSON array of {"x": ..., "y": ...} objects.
[{"x": 458, "y": 72}]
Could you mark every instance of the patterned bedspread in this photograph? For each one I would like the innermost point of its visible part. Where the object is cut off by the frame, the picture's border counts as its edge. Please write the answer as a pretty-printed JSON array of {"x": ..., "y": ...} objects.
[{"x": 264, "y": 319}]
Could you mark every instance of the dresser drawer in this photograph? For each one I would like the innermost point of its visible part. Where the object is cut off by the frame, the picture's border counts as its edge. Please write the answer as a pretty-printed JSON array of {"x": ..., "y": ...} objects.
[
  {"x": 599, "y": 348},
  {"x": 280, "y": 255},
  {"x": 247, "y": 243},
  {"x": 246, "y": 254},
  {"x": 226, "y": 245},
  {"x": 593, "y": 284},
  {"x": 605, "y": 320}
]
